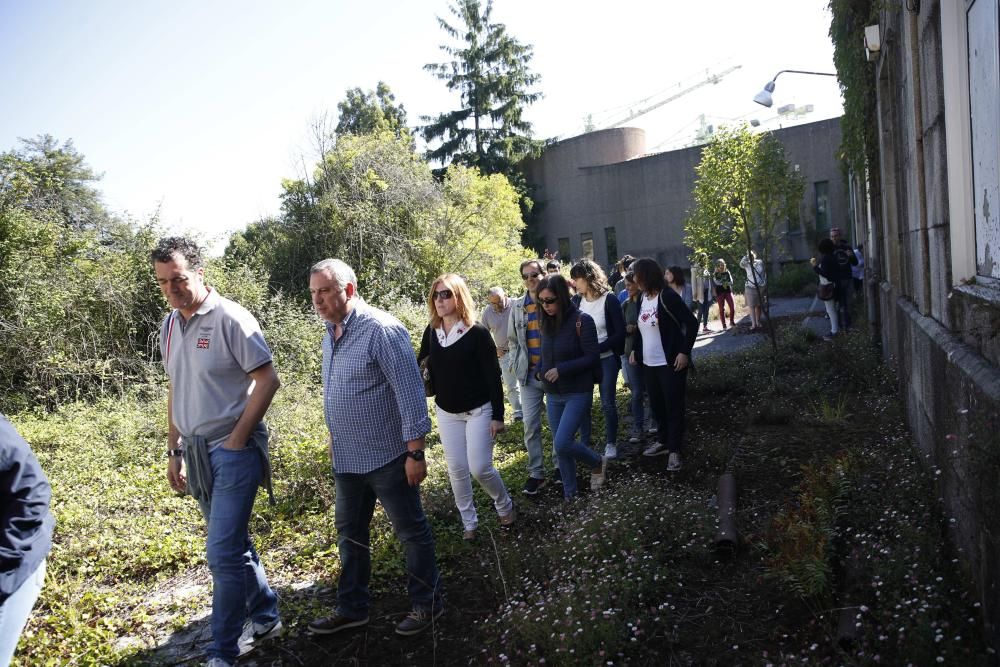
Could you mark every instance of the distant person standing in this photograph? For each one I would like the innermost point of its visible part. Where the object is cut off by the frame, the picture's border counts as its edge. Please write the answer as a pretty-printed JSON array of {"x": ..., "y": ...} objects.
[
  {"x": 754, "y": 290},
  {"x": 221, "y": 384},
  {"x": 845, "y": 258},
  {"x": 633, "y": 373},
  {"x": 722, "y": 284},
  {"x": 828, "y": 271},
  {"x": 700, "y": 286},
  {"x": 553, "y": 266},
  {"x": 25, "y": 535},
  {"x": 496, "y": 318},
  {"x": 468, "y": 398}
]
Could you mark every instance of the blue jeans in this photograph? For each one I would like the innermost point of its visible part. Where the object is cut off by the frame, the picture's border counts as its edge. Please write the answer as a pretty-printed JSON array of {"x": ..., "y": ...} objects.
[
  {"x": 510, "y": 381},
  {"x": 567, "y": 412},
  {"x": 609, "y": 383},
  {"x": 633, "y": 375},
  {"x": 355, "y": 505},
  {"x": 532, "y": 402},
  {"x": 239, "y": 585},
  {"x": 14, "y": 612}
]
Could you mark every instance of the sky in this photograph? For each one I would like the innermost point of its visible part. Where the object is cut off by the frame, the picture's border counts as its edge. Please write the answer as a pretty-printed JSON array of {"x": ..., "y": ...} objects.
[{"x": 198, "y": 110}]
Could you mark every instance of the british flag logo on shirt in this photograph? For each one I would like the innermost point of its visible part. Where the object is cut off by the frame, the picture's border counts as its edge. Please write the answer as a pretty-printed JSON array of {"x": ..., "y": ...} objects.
[{"x": 203, "y": 343}]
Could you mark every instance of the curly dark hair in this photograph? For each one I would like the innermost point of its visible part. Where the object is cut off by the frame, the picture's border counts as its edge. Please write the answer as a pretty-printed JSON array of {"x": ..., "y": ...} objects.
[{"x": 178, "y": 245}]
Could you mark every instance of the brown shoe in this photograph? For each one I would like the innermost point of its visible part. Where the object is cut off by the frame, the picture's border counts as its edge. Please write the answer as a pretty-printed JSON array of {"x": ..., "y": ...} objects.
[
  {"x": 507, "y": 520},
  {"x": 469, "y": 535}
]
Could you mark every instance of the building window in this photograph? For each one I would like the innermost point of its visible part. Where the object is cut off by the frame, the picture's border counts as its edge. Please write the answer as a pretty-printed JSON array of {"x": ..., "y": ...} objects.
[
  {"x": 564, "y": 250},
  {"x": 611, "y": 240},
  {"x": 587, "y": 241},
  {"x": 983, "y": 24},
  {"x": 822, "y": 189}
]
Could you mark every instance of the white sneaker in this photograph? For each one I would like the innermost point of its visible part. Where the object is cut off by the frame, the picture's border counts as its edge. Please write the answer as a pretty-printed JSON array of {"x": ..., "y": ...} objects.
[
  {"x": 634, "y": 438},
  {"x": 655, "y": 449},
  {"x": 610, "y": 451},
  {"x": 218, "y": 662},
  {"x": 254, "y": 633},
  {"x": 674, "y": 461}
]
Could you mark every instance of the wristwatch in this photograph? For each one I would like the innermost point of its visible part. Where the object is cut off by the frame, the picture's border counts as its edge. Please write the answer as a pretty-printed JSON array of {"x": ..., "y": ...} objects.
[{"x": 416, "y": 454}]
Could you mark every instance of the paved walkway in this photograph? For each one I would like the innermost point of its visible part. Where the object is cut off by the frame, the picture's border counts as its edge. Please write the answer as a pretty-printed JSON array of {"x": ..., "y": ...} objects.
[{"x": 739, "y": 338}]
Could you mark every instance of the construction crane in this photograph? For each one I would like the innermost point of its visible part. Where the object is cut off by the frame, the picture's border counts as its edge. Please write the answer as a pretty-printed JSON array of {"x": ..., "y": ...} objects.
[{"x": 712, "y": 78}]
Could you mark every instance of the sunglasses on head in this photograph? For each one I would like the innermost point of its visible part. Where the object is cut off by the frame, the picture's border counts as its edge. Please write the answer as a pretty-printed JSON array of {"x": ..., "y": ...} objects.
[
  {"x": 529, "y": 276},
  {"x": 548, "y": 301},
  {"x": 443, "y": 294}
]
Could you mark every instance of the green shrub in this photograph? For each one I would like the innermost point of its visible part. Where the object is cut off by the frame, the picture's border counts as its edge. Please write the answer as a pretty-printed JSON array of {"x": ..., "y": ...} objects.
[{"x": 795, "y": 279}]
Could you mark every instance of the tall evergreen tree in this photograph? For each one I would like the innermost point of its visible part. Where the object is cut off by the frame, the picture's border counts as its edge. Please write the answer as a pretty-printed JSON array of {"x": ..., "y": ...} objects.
[{"x": 489, "y": 69}]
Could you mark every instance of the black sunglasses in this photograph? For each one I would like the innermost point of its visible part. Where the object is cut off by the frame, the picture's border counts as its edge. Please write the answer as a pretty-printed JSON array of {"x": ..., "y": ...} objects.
[
  {"x": 529, "y": 276},
  {"x": 443, "y": 295},
  {"x": 548, "y": 301}
]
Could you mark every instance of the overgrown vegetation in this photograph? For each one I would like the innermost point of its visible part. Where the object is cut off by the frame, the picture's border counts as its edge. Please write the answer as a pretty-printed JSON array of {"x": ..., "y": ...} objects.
[{"x": 834, "y": 509}]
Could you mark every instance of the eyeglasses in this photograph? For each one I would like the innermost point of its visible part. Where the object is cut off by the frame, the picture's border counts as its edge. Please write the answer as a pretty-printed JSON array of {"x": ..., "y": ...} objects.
[
  {"x": 548, "y": 301},
  {"x": 443, "y": 295},
  {"x": 529, "y": 276}
]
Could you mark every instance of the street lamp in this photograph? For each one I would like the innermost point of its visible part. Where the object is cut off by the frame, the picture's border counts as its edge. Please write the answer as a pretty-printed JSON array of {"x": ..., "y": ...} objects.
[{"x": 764, "y": 96}]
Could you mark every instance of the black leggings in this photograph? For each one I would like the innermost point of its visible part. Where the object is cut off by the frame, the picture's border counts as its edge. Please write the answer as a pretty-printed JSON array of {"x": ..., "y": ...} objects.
[{"x": 666, "y": 389}]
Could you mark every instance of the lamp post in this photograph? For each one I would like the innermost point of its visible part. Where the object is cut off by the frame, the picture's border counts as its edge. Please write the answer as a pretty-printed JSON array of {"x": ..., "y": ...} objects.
[{"x": 764, "y": 96}]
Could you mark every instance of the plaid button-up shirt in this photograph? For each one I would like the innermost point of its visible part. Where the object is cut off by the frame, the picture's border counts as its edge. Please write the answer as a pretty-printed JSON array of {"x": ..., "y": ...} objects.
[{"x": 373, "y": 396}]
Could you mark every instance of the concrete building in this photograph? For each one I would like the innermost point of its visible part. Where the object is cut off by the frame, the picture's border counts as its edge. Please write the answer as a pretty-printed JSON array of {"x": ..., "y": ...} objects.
[
  {"x": 600, "y": 195},
  {"x": 935, "y": 234}
]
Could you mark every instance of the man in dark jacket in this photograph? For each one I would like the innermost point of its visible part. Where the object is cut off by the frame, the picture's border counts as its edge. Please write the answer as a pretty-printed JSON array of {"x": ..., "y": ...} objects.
[
  {"x": 844, "y": 255},
  {"x": 25, "y": 535}
]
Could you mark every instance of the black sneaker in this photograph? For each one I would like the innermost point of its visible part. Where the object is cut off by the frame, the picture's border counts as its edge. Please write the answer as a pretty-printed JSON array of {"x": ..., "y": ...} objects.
[
  {"x": 557, "y": 476},
  {"x": 417, "y": 621},
  {"x": 533, "y": 486},
  {"x": 335, "y": 623}
]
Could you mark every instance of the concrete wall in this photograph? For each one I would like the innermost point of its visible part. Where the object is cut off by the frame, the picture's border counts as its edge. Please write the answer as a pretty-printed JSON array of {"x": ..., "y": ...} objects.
[
  {"x": 602, "y": 179},
  {"x": 943, "y": 337}
]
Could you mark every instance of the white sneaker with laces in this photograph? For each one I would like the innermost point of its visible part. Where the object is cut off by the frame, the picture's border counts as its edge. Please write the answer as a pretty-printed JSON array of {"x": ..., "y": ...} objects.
[
  {"x": 254, "y": 633},
  {"x": 218, "y": 662},
  {"x": 610, "y": 451},
  {"x": 597, "y": 479},
  {"x": 655, "y": 449},
  {"x": 674, "y": 461}
]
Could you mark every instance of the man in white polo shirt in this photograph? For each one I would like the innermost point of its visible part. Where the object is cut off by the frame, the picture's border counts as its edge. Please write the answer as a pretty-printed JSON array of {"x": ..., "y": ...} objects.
[{"x": 221, "y": 384}]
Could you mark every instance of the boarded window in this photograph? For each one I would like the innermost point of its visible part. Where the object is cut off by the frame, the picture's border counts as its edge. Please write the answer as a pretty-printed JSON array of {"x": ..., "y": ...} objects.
[
  {"x": 822, "y": 190},
  {"x": 611, "y": 240},
  {"x": 983, "y": 24},
  {"x": 564, "y": 250}
]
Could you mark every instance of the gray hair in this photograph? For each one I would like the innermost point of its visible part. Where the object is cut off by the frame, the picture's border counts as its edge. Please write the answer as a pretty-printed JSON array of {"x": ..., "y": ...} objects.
[
  {"x": 497, "y": 291},
  {"x": 338, "y": 270}
]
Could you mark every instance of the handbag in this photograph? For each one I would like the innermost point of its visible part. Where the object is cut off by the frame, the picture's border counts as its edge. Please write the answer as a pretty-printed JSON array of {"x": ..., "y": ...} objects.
[{"x": 825, "y": 291}]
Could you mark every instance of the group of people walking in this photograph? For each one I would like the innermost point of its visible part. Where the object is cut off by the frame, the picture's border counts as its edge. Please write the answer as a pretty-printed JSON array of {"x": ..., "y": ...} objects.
[{"x": 549, "y": 346}]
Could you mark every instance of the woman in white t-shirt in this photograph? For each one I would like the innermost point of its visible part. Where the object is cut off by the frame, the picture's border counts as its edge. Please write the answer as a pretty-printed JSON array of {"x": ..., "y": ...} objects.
[
  {"x": 594, "y": 297},
  {"x": 668, "y": 330}
]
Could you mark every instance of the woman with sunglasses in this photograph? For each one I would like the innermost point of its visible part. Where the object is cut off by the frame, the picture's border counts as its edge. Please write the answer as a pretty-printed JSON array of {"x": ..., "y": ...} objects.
[
  {"x": 570, "y": 359},
  {"x": 468, "y": 398},
  {"x": 594, "y": 297},
  {"x": 667, "y": 331}
]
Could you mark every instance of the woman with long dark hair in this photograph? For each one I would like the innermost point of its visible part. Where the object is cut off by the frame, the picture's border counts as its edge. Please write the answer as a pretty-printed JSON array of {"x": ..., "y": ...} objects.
[
  {"x": 633, "y": 373},
  {"x": 468, "y": 397},
  {"x": 668, "y": 330},
  {"x": 594, "y": 297},
  {"x": 570, "y": 359}
]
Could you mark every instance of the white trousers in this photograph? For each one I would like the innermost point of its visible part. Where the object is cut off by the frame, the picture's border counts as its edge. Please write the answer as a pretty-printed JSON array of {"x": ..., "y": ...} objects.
[
  {"x": 831, "y": 312},
  {"x": 468, "y": 450}
]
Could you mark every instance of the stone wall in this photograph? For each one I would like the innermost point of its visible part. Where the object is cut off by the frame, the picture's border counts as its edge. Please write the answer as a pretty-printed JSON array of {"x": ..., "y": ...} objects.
[{"x": 944, "y": 339}]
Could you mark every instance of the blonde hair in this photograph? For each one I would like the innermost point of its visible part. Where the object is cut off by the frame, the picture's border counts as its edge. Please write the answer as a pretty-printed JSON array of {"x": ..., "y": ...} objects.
[{"x": 461, "y": 294}]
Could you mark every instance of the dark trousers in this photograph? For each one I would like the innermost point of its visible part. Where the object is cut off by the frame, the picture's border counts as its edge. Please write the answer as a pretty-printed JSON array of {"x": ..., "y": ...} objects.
[
  {"x": 842, "y": 293},
  {"x": 666, "y": 389}
]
